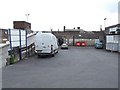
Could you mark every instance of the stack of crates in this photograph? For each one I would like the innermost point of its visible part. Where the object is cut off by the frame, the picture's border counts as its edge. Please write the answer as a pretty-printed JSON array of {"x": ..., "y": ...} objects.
[{"x": 112, "y": 43}]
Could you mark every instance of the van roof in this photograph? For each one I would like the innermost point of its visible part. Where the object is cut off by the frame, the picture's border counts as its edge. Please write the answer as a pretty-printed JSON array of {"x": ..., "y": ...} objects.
[{"x": 39, "y": 34}]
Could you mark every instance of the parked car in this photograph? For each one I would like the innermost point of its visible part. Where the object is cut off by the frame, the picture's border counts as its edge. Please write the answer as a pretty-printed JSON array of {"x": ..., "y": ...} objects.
[
  {"x": 64, "y": 46},
  {"x": 99, "y": 45},
  {"x": 83, "y": 44},
  {"x": 78, "y": 44}
]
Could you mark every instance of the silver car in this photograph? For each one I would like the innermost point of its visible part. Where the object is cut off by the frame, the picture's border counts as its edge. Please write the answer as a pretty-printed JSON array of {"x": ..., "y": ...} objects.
[{"x": 64, "y": 46}]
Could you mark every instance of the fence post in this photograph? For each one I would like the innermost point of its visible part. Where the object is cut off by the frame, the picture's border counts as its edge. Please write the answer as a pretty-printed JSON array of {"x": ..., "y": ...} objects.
[
  {"x": 26, "y": 45},
  {"x": 20, "y": 52},
  {"x": 10, "y": 39}
]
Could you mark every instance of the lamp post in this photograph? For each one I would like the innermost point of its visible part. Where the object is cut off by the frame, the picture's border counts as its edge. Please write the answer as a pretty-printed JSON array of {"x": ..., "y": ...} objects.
[
  {"x": 105, "y": 22},
  {"x": 27, "y": 16}
]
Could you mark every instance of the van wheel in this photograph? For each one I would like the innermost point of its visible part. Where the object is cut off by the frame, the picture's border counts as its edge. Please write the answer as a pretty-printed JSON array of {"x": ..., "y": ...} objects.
[{"x": 52, "y": 55}]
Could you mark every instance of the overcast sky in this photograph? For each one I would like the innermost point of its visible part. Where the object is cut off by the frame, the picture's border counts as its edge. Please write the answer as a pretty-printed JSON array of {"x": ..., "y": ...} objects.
[{"x": 47, "y": 14}]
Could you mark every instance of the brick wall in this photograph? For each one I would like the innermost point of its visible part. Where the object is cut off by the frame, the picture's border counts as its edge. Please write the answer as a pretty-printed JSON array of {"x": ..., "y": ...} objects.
[
  {"x": 22, "y": 25},
  {"x": 87, "y": 36}
]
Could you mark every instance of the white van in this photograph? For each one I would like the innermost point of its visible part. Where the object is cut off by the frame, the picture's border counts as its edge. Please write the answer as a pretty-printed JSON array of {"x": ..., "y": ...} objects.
[{"x": 46, "y": 44}]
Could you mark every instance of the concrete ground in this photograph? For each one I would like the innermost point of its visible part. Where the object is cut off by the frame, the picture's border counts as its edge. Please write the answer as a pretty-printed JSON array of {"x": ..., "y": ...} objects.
[{"x": 77, "y": 67}]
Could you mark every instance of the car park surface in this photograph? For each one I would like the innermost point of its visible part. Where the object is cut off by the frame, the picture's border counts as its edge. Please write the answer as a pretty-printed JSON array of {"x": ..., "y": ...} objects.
[{"x": 77, "y": 67}]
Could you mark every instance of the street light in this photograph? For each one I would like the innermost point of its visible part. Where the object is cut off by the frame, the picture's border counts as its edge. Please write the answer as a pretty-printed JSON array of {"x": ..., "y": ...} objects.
[
  {"x": 27, "y": 16},
  {"x": 105, "y": 22}
]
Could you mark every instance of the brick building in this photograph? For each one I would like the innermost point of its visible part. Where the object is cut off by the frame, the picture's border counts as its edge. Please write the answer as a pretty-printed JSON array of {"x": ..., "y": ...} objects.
[
  {"x": 73, "y": 35},
  {"x": 22, "y": 25},
  {"x": 112, "y": 29}
]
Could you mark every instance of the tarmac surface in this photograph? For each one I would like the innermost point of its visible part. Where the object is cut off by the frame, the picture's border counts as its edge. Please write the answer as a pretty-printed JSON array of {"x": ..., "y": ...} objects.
[{"x": 77, "y": 67}]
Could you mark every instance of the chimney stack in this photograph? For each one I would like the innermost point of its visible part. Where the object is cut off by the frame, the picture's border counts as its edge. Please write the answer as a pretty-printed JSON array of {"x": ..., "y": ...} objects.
[{"x": 78, "y": 27}]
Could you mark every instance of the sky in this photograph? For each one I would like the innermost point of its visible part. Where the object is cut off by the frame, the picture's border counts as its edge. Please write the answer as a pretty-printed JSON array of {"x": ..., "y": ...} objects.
[{"x": 54, "y": 14}]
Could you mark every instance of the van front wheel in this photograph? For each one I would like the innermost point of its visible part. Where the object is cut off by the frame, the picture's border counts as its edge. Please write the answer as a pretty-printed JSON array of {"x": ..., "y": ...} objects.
[{"x": 52, "y": 54}]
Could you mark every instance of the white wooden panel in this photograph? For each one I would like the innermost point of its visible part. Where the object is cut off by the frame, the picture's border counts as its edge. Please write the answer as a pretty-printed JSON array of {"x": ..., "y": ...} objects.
[
  {"x": 23, "y": 32},
  {"x": 15, "y": 32},
  {"x": 23, "y": 38},
  {"x": 15, "y": 44},
  {"x": 23, "y": 42},
  {"x": 15, "y": 38}
]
